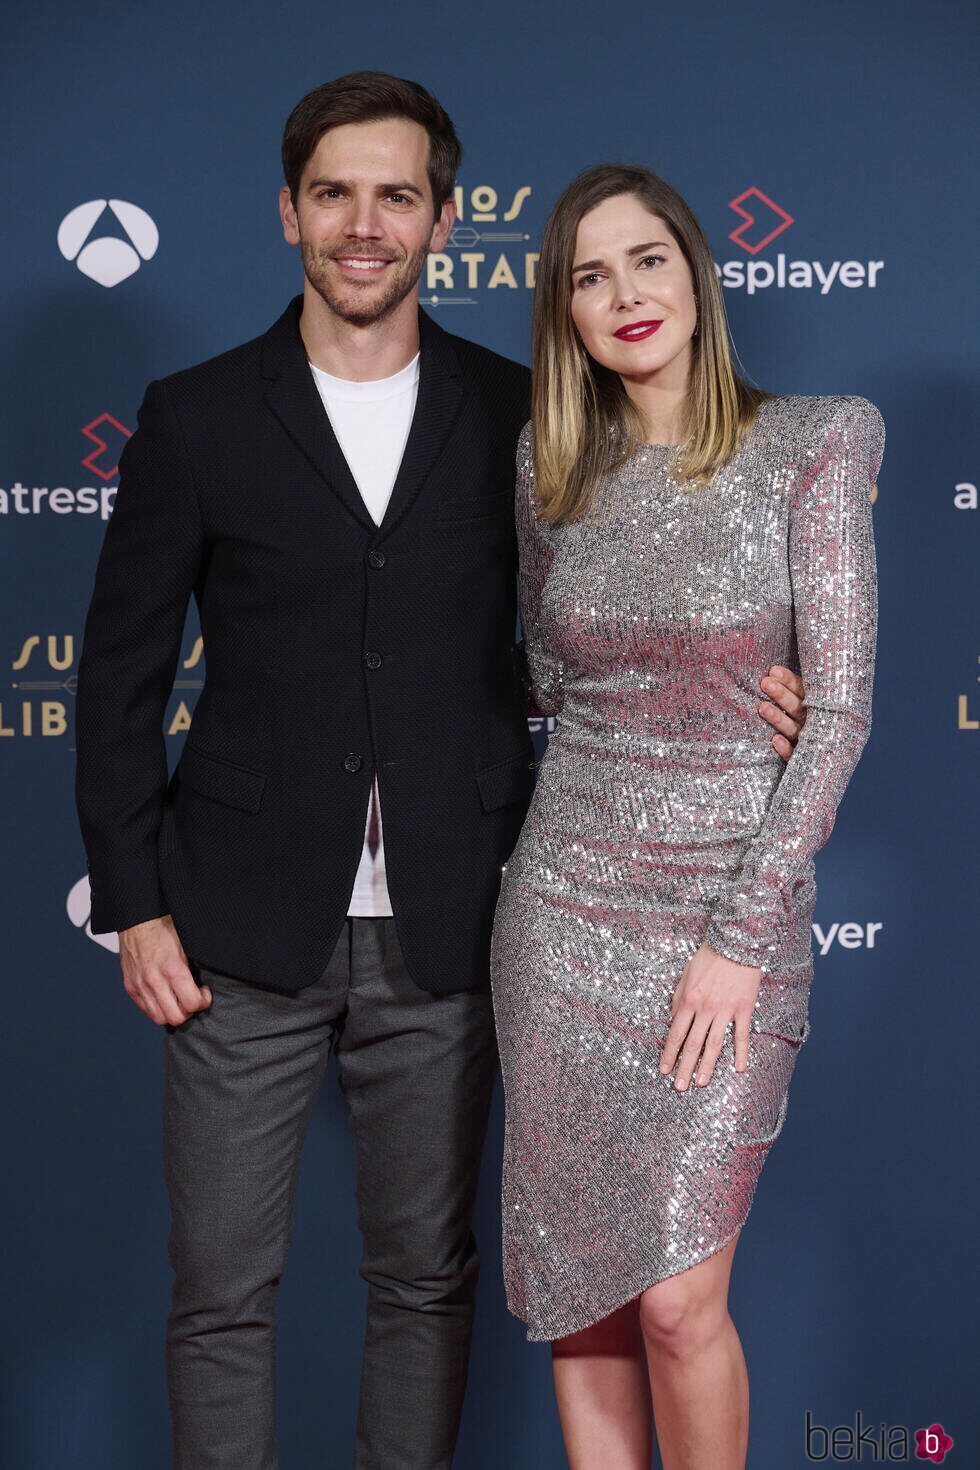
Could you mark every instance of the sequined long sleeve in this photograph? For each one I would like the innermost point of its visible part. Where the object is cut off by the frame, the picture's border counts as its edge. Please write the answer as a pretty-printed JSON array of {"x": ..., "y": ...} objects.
[
  {"x": 544, "y": 683},
  {"x": 834, "y": 587}
]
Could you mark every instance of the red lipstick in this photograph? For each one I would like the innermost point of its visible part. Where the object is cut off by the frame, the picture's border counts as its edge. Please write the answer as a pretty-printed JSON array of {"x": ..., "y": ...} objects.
[{"x": 637, "y": 331}]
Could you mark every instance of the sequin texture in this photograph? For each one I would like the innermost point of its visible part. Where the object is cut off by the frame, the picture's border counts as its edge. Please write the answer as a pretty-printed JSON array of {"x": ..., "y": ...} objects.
[{"x": 662, "y": 817}]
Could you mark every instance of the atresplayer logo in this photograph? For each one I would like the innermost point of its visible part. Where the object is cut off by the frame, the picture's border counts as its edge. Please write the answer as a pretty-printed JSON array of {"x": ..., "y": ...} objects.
[
  {"x": 473, "y": 258},
  {"x": 62, "y": 500},
  {"x": 886, "y": 1442},
  {"x": 762, "y": 222},
  {"x": 105, "y": 422}
]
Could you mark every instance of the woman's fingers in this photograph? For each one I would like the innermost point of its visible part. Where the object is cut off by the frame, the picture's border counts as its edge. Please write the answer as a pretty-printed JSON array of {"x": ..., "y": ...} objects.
[
  {"x": 690, "y": 1053},
  {"x": 741, "y": 1042},
  {"x": 704, "y": 1039},
  {"x": 675, "y": 1038},
  {"x": 713, "y": 1045}
]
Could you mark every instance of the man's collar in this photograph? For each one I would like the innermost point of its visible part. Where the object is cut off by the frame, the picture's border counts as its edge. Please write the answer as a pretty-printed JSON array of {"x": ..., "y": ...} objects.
[{"x": 282, "y": 344}]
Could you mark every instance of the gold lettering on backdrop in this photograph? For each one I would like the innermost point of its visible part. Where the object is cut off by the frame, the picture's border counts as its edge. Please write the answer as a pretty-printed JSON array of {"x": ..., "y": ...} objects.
[
  {"x": 49, "y": 717},
  {"x": 963, "y": 710},
  {"x": 54, "y": 717},
  {"x": 502, "y": 274},
  {"x": 518, "y": 202},
  {"x": 181, "y": 720},
  {"x": 194, "y": 658},
  {"x": 29, "y": 646},
  {"x": 56, "y": 660},
  {"x": 471, "y": 262},
  {"x": 67, "y": 657},
  {"x": 484, "y": 200},
  {"x": 439, "y": 271},
  {"x": 53, "y": 721}
]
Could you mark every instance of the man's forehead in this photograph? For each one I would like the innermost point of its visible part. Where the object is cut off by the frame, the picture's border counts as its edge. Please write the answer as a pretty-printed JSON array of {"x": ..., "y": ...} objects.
[{"x": 371, "y": 147}]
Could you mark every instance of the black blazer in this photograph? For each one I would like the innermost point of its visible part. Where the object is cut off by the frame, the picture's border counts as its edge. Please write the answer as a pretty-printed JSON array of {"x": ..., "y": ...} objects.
[{"x": 331, "y": 646}]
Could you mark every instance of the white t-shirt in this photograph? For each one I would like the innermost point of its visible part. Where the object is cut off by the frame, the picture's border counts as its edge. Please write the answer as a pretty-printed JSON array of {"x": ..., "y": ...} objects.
[{"x": 371, "y": 422}]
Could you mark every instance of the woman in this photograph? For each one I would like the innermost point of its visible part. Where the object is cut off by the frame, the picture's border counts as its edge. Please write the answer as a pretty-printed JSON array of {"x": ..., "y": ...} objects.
[{"x": 680, "y": 531}]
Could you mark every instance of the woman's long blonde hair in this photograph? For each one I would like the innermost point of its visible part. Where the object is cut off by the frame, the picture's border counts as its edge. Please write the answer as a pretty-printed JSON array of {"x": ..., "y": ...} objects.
[{"x": 584, "y": 422}]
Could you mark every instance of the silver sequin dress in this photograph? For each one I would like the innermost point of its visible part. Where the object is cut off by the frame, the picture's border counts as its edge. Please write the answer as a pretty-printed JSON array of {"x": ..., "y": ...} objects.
[{"x": 662, "y": 817}]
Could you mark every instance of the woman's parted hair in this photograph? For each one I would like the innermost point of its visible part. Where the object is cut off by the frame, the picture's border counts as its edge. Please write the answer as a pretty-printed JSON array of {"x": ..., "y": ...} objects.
[
  {"x": 584, "y": 422},
  {"x": 369, "y": 96}
]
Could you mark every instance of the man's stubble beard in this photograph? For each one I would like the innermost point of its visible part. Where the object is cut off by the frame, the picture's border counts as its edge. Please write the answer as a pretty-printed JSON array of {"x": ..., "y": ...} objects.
[{"x": 403, "y": 280}]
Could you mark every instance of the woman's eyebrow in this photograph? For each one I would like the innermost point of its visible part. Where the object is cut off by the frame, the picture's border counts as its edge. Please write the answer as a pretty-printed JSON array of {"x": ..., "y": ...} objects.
[{"x": 590, "y": 265}]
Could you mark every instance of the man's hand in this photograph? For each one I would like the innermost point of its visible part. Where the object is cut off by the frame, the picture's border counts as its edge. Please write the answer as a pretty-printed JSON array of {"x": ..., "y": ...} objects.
[
  {"x": 156, "y": 975},
  {"x": 784, "y": 709}
]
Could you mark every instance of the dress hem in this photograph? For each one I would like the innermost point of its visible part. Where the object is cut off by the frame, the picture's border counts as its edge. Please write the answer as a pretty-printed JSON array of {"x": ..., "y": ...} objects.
[{"x": 590, "y": 1319}]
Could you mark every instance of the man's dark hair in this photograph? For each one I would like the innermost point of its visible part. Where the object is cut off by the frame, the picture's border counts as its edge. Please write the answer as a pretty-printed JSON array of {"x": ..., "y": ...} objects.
[{"x": 369, "y": 96}]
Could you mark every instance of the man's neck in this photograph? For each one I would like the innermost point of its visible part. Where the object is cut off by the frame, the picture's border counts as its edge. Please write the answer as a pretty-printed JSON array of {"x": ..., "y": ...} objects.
[{"x": 359, "y": 354}]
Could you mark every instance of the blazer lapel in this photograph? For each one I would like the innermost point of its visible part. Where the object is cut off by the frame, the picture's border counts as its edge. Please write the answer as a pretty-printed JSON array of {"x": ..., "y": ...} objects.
[
  {"x": 292, "y": 395},
  {"x": 441, "y": 392}
]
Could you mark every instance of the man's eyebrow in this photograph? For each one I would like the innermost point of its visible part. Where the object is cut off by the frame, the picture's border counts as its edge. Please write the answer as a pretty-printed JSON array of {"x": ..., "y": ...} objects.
[
  {"x": 591, "y": 265},
  {"x": 403, "y": 188}
]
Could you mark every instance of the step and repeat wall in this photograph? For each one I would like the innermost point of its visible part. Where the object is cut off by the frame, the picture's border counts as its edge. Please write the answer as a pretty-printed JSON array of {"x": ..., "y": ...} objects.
[{"x": 824, "y": 149}]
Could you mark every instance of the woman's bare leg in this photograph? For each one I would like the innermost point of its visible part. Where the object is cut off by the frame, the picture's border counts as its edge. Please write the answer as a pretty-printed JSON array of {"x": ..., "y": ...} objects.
[
  {"x": 603, "y": 1394},
  {"x": 698, "y": 1379}
]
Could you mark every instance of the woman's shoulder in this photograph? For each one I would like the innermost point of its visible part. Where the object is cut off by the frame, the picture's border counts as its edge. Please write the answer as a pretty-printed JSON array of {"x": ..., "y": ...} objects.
[
  {"x": 812, "y": 426},
  {"x": 809, "y": 417}
]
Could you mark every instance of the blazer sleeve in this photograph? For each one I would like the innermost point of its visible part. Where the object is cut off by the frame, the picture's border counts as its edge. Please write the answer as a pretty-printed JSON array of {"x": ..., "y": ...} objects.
[
  {"x": 543, "y": 669},
  {"x": 834, "y": 585},
  {"x": 150, "y": 561}
]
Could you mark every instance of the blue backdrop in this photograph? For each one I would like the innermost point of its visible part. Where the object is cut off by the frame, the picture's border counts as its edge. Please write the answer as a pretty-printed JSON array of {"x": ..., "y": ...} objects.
[{"x": 823, "y": 147}]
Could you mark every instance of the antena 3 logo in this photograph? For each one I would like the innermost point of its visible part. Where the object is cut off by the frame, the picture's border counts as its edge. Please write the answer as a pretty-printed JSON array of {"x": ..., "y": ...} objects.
[
  {"x": 762, "y": 222},
  {"x": 107, "y": 259},
  {"x": 79, "y": 906}
]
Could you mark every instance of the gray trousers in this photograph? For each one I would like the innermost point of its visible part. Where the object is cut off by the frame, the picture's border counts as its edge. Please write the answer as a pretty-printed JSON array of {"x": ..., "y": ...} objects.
[{"x": 417, "y": 1071}]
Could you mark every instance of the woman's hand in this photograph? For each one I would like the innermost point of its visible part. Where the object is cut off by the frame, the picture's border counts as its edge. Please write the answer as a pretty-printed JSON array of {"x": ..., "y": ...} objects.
[{"x": 711, "y": 992}]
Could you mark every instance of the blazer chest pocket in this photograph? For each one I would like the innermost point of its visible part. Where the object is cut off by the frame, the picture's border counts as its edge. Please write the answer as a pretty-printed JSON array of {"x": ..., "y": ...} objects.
[
  {"x": 211, "y": 776},
  {"x": 476, "y": 507},
  {"x": 506, "y": 782}
]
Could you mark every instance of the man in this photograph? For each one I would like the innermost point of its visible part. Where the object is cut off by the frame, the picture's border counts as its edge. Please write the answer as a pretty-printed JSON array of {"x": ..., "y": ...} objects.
[{"x": 320, "y": 873}]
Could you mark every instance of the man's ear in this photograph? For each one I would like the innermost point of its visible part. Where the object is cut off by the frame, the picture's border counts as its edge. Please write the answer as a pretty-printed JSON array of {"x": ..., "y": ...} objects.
[
  {"x": 287, "y": 213},
  {"x": 443, "y": 226}
]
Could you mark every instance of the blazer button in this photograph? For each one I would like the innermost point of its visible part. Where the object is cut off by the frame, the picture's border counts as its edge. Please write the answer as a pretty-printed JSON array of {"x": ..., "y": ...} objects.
[
  {"x": 376, "y": 558},
  {"x": 353, "y": 762},
  {"x": 373, "y": 660}
]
